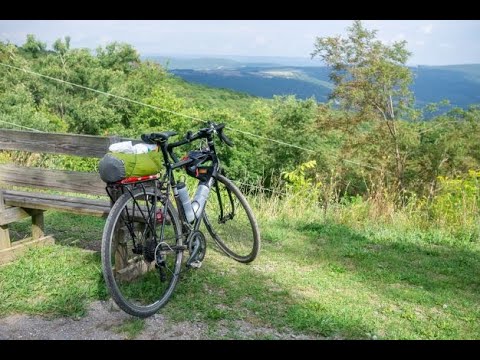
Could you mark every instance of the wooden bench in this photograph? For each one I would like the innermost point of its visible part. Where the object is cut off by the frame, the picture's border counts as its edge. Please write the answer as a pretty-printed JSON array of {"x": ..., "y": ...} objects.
[{"x": 17, "y": 205}]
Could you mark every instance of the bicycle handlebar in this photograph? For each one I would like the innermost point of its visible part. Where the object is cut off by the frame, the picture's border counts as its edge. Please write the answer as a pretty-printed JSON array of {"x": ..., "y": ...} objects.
[
  {"x": 203, "y": 133},
  {"x": 207, "y": 132}
]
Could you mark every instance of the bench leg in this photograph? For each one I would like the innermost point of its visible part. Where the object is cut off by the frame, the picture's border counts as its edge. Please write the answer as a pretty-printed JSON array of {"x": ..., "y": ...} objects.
[
  {"x": 9, "y": 251},
  {"x": 4, "y": 237},
  {"x": 127, "y": 270},
  {"x": 37, "y": 224},
  {"x": 4, "y": 232}
]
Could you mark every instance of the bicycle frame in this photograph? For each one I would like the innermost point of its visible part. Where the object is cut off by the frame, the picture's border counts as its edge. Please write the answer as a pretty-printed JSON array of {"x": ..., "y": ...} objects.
[
  {"x": 167, "y": 184},
  {"x": 169, "y": 177}
]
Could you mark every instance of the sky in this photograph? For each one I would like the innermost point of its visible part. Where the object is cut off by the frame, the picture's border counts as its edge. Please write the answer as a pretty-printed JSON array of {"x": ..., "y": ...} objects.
[{"x": 432, "y": 42}]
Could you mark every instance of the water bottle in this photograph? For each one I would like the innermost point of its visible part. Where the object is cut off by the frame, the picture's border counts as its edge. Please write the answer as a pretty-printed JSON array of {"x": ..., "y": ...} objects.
[
  {"x": 185, "y": 200},
  {"x": 200, "y": 197}
]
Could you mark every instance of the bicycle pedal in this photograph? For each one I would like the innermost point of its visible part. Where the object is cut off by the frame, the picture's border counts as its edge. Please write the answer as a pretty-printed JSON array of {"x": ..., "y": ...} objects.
[{"x": 196, "y": 264}]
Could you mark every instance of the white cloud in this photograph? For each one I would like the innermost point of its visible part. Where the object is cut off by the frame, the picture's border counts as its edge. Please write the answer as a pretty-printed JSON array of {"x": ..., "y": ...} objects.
[
  {"x": 426, "y": 29},
  {"x": 419, "y": 42},
  {"x": 260, "y": 40},
  {"x": 445, "y": 45},
  {"x": 104, "y": 40}
]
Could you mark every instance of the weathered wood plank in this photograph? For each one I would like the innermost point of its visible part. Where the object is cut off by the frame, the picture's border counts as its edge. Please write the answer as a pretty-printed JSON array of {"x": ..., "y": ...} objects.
[
  {"x": 134, "y": 270},
  {"x": 7, "y": 255},
  {"x": 120, "y": 248},
  {"x": 38, "y": 225},
  {"x": 38, "y": 195},
  {"x": 4, "y": 232},
  {"x": 75, "y": 205},
  {"x": 56, "y": 143},
  {"x": 12, "y": 214},
  {"x": 61, "y": 180},
  {"x": 4, "y": 237}
]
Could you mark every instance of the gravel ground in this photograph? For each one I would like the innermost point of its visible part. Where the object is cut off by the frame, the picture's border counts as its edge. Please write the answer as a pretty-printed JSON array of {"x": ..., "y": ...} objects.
[{"x": 104, "y": 321}]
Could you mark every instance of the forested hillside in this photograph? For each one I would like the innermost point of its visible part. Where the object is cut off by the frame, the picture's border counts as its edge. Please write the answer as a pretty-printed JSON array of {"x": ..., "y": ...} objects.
[{"x": 460, "y": 84}]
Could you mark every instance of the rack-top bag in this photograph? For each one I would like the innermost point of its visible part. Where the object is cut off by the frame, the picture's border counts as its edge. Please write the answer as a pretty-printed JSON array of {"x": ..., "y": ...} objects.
[{"x": 115, "y": 166}]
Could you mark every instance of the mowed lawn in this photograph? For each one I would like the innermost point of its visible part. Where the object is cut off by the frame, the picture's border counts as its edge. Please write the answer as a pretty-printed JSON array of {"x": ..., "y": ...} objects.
[{"x": 319, "y": 278}]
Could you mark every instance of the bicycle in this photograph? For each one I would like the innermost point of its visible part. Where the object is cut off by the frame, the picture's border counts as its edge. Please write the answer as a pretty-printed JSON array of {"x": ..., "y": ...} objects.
[{"x": 145, "y": 235}]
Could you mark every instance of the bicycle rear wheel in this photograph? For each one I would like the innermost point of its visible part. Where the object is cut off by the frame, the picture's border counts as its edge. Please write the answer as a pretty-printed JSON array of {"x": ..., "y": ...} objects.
[
  {"x": 230, "y": 221},
  {"x": 131, "y": 245}
]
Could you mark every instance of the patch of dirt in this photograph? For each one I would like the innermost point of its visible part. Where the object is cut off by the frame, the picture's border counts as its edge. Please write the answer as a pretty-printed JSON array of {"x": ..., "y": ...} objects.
[
  {"x": 245, "y": 330},
  {"x": 104, "y": 319},
  {"x": 96, "y": 325}
]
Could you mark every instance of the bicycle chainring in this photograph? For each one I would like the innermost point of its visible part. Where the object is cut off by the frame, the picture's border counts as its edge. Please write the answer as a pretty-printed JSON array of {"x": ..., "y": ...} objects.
[{"x": 198, "y": 240}]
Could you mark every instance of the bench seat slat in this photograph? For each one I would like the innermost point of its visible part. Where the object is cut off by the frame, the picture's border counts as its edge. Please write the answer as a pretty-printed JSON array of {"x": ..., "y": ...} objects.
[{"x": 42, "y": 201}]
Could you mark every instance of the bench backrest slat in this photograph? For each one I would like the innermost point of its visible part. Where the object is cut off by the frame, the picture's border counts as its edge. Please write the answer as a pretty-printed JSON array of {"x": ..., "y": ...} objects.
[
  {"x": 61, "y": 180},
  {"x": 55, "y": 143}
]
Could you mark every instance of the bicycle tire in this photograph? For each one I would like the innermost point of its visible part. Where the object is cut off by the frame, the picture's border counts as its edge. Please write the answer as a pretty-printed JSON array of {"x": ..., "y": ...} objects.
[
  {"x": 145, "y": 283},
  {"x": 233, "y": 236}
]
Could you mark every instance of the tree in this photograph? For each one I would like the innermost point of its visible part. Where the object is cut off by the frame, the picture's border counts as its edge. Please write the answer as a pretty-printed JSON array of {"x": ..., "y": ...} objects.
[
  {"x": 118, "y": 56},
  {"x": 34, "y": 46},
  {"x": 62, "y": 47},
  {"x": 371, "y": 78}
]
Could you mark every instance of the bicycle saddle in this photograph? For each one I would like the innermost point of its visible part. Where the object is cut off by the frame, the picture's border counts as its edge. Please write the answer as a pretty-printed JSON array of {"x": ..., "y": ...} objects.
[{"x": 154, "y": 138}]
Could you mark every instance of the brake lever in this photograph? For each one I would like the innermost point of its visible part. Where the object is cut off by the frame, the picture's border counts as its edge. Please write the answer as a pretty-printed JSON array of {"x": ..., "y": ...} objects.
[{"x": 224, "y": 138}]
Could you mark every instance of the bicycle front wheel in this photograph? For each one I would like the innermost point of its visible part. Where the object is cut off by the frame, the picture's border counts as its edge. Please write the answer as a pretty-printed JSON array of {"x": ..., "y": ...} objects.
[
  {"x": 141, "y": 266},
  {"x": 230, "y": 221}
]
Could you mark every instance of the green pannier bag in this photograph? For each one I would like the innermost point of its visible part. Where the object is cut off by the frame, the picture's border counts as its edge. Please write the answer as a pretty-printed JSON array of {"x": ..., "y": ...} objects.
[{"x": 115, "y": 166}]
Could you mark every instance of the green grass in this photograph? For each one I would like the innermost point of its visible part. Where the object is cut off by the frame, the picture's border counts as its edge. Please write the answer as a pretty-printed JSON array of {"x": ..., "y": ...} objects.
[
  {"x": 52, "y": 280},
  {"x": 318, "y": 278},
  {"x": 131, "y": 328}
]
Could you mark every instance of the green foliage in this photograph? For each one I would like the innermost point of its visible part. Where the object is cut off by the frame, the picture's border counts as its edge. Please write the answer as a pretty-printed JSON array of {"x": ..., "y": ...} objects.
[
  {"x": 118, "y": 56},
  {"x": 151, "y": 119},
  {"x": 457, "y": 205},
  {"x": 33, "y": 47},
  {"x": 62, "y": 46},
  {"x": 303, "y": 178}
]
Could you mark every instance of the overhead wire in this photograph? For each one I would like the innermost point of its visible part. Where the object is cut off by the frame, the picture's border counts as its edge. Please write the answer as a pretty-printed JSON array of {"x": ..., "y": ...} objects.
[{"x": 175, "y": 113}]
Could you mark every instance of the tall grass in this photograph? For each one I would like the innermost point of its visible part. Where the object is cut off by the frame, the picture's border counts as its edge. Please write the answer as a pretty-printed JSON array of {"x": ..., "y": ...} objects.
[{"x": 452, "y": 216}]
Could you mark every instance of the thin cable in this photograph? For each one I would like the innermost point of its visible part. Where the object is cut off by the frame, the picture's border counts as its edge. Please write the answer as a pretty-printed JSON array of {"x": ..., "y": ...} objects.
[
  {"x": 265, "y": 138},
  {"x": 103, "y": 92},
  {"x": 152, "y": 106},
  {"x": 439, "y": 124},
  {"x": 171, "y": 112},
  {"x": 21, "y": 126},
  {"x": 261, "y": 188},
  {"x": 367, "y": 166}
]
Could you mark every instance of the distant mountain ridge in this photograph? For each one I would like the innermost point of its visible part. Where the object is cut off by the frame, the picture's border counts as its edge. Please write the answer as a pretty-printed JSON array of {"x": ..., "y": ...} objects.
[{"x": 460, "y": 84}]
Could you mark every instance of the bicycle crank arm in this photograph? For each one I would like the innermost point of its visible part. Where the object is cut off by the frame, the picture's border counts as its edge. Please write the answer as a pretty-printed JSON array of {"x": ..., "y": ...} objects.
[{"x": 194, "y": 253}]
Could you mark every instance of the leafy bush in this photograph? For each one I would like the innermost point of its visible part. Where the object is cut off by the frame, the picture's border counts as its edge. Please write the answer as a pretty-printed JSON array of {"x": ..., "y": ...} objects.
[{"x": 457, "y": 205}]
